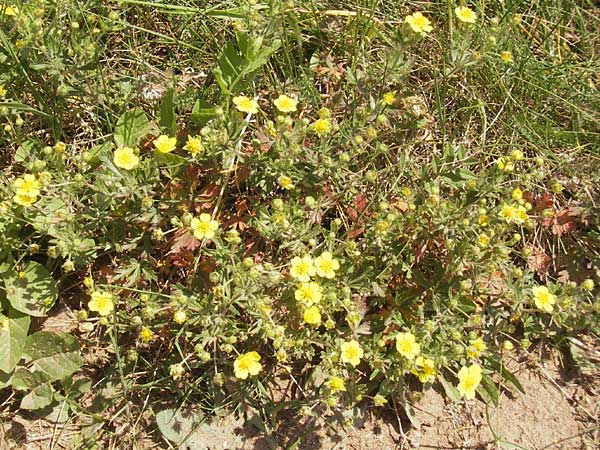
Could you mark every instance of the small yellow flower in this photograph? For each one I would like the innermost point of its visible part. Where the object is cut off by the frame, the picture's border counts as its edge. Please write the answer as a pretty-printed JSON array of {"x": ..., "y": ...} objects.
[
  {"x": 424, "y": 369},
  {"x": 508, "y": 213},
  {"x": 308, "y": 293},
  {"x": 379, "y": 400},
  {"x": 24, "y": 200},
  {"x": 418, "y": 22},
  {"x": 326, "y": 265},
  {"x": 27, "y": 188},
  {"x": 245, "y": 104},
  {"x": 465, "y": 14},
  {"x": 101, "y": 302},
  {"x": 336, "y": 384},
  {"x": 484, "y": 220},
  {"x": 476, "y": 348},
  {"x": 2, "y": 91},
  {"x": 483, "y": 240},
  {"x": 302, "y": 268},
  {"x": 521, "y": 215},
  {"x": 321, "y": 127},
  {"x": 60, "y": 147},
  {"x": 165, "y": 144},
  {"x": 204, "y": 227},
  {"x": 285, "y": 104},
  {"x": 407, "y": 345},
  {"x": 543, "y": 298},
  {"x": 517, "y": 194},
  {"x": 469, "y": 378},
  {"x": 285, "y": 182},
  {"x": 504, "y": 165},
  {"x": 8, "y": 10},
  {"x": 247, "y": 364},
  {"x": 194, "y": 145},
  {"x": 352, "y": 352},
  {"x": 125, "y": 158},
  {"x": 506, "y": 56},
  {"x": 312, "y": 315},
  {"x": 389, "y": 98},
  {"x": 146, "y": 334},
  {"x": 179, "y": 316}
]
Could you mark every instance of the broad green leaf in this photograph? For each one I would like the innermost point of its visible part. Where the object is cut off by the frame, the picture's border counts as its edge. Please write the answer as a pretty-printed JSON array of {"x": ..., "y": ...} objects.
[
  {"x": 5, "y": 379},
  {"x": 230, "y": 66},
  {"x": 13, "y": 332},
  {"x": 131, "y": 127},
  {"x": 450, "y": 390},
  {"x": 55, "y": 355},
  {"x": 488, "y": 391},
  {"x": 32, "y": 290},
  {"x": 25, "y": 150},
  {"x": 25, "y": 380},
  {"x": 168, "y": 118},
  {"x": 202, "y": 112},
  {"x": 38, "y": 398},
  {"x": 95, "y": 154}
]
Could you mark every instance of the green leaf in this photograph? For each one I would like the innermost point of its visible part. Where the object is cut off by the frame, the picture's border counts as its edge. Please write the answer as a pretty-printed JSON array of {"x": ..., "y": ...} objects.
[
  {"x": 55, "y": 355},
  {"x": 5, "y": 379},
  {"x": 450, "y": 390},
  {"x": 25, "y": 380},
  {"x": 13, "y": 332},
  {"x": 32, "y": 290},
  {"x": 131, "y": 127},
  {"x": 25, "y": 150},
  {"x": 38, "y": 398},
  {"x": 168, "y": 118},
  {"x": 98, "y": 152},
  {"x": 230, "y": 65},
  {"x": 202, "y": 112},
  {"x": 488, "y": 391},
  {"x": 505, "y": 373}
]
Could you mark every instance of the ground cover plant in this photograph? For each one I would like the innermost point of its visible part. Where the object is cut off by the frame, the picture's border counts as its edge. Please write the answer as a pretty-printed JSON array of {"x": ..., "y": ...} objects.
[{"x": 260, "y": 206}]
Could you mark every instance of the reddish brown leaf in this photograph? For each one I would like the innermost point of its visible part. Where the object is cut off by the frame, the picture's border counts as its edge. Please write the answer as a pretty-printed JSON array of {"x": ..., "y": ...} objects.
[
  {"x": 184, "y": 240},
  {"x": 539, "y": 261}
]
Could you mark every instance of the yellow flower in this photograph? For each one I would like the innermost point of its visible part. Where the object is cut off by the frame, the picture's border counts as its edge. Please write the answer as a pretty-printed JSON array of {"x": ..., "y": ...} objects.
[
  {"x": 465, "y": 14},
  {"x": 418, "y": 22},
  {"x": 27, "y": 185},
  {"x": 336, "y": 384},
  {"x": 321, "y": 127},
  {"x": 285, "y": 182},
  {"x": 504, "y": 165},
  {"x": 125, "y": 158},
  {"x": 379, "y": 400},
  {"x": 24, "y": 200},
  {"x": 2, "y": 91},
  {"x": 326, "y": 265},
  {"x": 9, "y": 10},
  {"x": 483, "y": 240},
  {"x": 285, "y": 104},
  {"x": 204, "y": 227},
  {"x": 483, "y": 220},
  {"x": 165, "y": 144},
  {"x": 302, "y": 268},
  {"x": 543, "y": 298},
  {"x": 245, "y": 104},
  {"x": 312, "y": 316},
  {"x": 469, "y": 378},
  {"x": 389, "y": 98},
  {"x": 194, "y": 145},
  {"x": 424, "y": 369},
  {"x": 508, "y": 213},
  {"x": 179, "y": 316},
  {"x": 521, "y": 215},
  {"x": 308, "y": 293},
  {"x": 517, "y": 194},
  {"x": 477, "y": 346},
  {"x": 101, "y": 302},
  {"x": 247, "y": 364},
  {"x": 407, "y": 345},
  {"x": 352, "y": 352},
  {"x": 146, "y": 334},
  {"x": 506, "y": 56}
]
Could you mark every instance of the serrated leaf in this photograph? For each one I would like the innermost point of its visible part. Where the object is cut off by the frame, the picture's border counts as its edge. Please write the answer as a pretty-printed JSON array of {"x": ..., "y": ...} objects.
[
  {"x": 55, "y": 355},
  {"x": 168, "y": 118},
  {"x": 38, "y": 398},
  {"x": 32, "y": 290},
  {"x": 131, "y": 127},
  {"x": 13, "y": 333}
]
